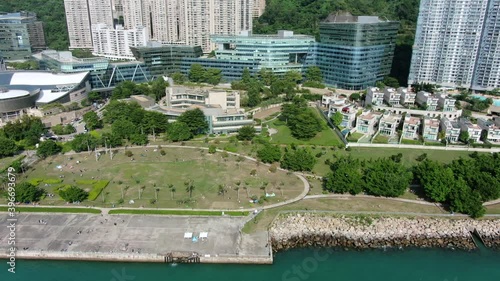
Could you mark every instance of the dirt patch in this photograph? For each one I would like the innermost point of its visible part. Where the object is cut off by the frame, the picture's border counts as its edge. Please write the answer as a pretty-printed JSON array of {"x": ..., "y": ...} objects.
[{"x": 267, "y": 112}]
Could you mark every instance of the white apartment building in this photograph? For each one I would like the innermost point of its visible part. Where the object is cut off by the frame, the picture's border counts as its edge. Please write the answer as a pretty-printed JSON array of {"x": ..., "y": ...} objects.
[
  {"x": 115, "y": 43},
  {"x": 181, "y": 97},
  {"x": 474, "y": 130},
  {"x": 492, "y": 129},
  {"x": 446, "y": 103},
  {"x": 366, "y": 122},
  {"x": 431, "y": 129},
  {"x": 457, "y": 44},
  {"x": 374, "y": 96},
  {"x": 101, "y": 12},
  {"x": 78, "y": 21},
  {"x": 259, "y": 7},
  {"x": 451, "y": 128},
  {"x": 391, "y": 96},
  {"x": 389, "y": 124},
  {"x": 189, "y": 21},
  {"x": 427, "y": 99},
  {"x": 347, "y": 110},
  {"x": 447, "y": 41},
  {"x": 411, "y": 127},
  {"x": 407, "y": 96}
]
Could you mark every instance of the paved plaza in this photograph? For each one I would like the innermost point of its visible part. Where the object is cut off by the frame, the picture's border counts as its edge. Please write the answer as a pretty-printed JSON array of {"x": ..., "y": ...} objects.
[{"x": 136, "y": 234}]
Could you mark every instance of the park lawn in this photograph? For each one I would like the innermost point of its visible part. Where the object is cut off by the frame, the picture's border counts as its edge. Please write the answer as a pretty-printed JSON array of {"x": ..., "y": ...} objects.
[
  {"x": 327, "y": 137},
  {"x": 152, "y": 171},
  {"x": 5, "y": 162},
  {"x": 52, "y": 210},
  {"x": 177, "y": 212},
  {"x": 265, "y": 218}
]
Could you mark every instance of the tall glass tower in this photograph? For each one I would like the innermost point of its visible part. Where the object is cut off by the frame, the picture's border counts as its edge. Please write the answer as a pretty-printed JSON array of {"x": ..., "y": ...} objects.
[{"x": 355, "y": 52}]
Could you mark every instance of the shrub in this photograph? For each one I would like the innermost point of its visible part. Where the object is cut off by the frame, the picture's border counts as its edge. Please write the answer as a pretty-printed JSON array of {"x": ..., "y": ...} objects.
[
  {"x": 73, "y": 194},
  {"x": 273, "y": 168},
  {"x": 129, "y": 153},
  {"x": 212, "y": 149},
  {"x": 162, "y": 152},
  {"x": 120, "y": 201},
  {"x": 253, "y": 172}
]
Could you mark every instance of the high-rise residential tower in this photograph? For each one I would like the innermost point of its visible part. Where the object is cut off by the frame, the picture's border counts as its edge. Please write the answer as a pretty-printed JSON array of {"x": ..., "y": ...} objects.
[
  {"x": 457, "y": 44},
  {"x": 81, "y": 15}
]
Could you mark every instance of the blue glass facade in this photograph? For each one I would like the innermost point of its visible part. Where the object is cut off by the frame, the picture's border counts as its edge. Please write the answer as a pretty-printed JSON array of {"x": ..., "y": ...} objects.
[{"x": 355, "y": 52}]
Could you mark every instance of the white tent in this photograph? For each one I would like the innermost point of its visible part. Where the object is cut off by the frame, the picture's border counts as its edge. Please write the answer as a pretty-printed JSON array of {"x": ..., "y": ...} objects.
[
  {"x": 203, "y": 235},
  {"x": 188, "y": 235}
]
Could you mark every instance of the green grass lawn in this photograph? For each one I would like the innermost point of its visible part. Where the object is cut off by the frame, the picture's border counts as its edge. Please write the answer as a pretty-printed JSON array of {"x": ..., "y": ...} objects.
[
  {"x": 327, "y": 137},
  {"x": 52, "y": 210},
  {"x": 176, "y": 212},
  {"x": 146, "y": 178},
  {"x": 414, "y": 142},
  {"x": 6, "y": 161},
  {"x": 381, "y": 139},
  {"x": 354, "y": 137}
]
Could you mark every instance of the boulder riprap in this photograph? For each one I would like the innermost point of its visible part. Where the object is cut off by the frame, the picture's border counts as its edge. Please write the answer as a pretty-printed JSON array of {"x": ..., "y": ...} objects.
[{"x": 319, "y": 230}]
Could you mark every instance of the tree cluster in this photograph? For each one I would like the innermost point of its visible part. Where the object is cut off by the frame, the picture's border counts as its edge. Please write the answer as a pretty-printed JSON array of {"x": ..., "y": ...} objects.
[
  {"x": 27, "y": 193},
  {"x": 380, "y": 177},
  {"x": 63, "y": 130},
  {"x": 298, "y": 159},
  {"x": 48, "y": 148},
  {"x": 73, "y": 194},
  {"x": 26, "y": 131},
  {"x": 463, "y": 185},
  {"x": 155, "y": 89},
  {"x": 198, "y": 74},
  {"x": 304, "y": 124}
]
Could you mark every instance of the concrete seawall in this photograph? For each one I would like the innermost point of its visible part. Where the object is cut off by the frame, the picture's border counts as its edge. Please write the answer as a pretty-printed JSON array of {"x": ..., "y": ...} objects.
[{"x": 117, "y": 257}]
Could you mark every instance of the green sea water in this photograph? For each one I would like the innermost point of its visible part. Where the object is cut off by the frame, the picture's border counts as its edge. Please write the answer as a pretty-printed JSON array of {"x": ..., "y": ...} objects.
[{"x": 294, "y": 265}]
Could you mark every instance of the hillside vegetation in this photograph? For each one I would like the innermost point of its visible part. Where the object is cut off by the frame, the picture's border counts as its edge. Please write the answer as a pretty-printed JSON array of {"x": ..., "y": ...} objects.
[{"x": 51, "y": 12}]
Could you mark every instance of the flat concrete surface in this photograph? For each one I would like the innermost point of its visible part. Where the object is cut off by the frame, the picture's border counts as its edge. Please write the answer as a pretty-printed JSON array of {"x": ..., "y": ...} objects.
[{"x": 133, "y": 234}]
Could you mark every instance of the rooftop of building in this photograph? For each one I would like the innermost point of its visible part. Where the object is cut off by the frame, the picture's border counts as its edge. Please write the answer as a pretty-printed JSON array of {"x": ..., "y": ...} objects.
[
  {"x": 391, "y": 118},
  {"x": 412, "y": 120},
  {"x": 345, "y": 17},
  {"x": 16, "y": 15},
  {"x": 10, "y": 94},
  {"x": 369, "y": 115},
  {"x": 53, "y": 85},
  {"x": 67, "y": 56},
  {"x": 431, "y": 122},
  {"x": 282, "y": 34}
]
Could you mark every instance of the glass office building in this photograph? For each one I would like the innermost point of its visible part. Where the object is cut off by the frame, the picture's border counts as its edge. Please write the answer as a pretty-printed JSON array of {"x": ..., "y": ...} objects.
[
  {"x": 279, "y": 53},
  {"x": 104, "y": 75},
  {"x": 165, "y": 59},
  {"x": 355, "y": 52}
]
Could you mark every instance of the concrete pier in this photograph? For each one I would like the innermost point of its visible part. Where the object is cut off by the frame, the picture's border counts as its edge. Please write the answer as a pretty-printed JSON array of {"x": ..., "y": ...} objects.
[{"x": 134, "y": 238}]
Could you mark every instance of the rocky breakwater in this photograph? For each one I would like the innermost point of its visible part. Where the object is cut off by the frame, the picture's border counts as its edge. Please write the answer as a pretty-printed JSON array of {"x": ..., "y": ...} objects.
[
  {"x": 361, "y": 232},
  {"x": 489, "y": 231}
]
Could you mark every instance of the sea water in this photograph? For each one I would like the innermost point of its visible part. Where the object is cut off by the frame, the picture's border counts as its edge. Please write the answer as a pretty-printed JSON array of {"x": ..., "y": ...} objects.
[{"x": 293, "y": 265}]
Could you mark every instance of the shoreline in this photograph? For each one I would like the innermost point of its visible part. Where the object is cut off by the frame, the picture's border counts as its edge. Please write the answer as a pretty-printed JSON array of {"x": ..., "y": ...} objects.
[
  {"x": 313, "y": 230},
  {"x": 139, "y": 258}
]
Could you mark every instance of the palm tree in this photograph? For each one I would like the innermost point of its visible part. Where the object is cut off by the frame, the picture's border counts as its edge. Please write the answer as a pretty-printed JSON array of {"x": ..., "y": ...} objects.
[
  {"x": 246, "y": 189},
  {"x": 281, "y": 190},
  {"x": 156, "y": 193},
  {"x": 264, "y": 185},
  {"x": 189, "y": 187},
  {"x": 173, "y": 192},
  {"x": 141, "y": 190},
  {"x": 237, "y": 188},
  {"x": 221, "y": 189}
]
